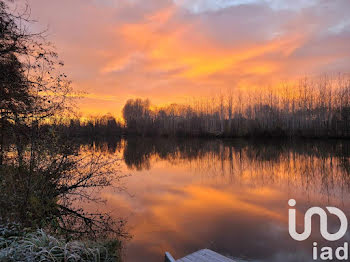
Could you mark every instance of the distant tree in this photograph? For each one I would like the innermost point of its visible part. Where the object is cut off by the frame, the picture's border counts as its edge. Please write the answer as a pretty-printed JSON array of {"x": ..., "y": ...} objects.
[
  {"x": 316, "y": 107},
  {"x": 137, "y": 115}
]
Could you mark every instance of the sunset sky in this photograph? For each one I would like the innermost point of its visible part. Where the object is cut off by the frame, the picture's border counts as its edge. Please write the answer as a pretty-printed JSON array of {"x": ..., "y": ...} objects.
[{"x": 172, "y": 50}]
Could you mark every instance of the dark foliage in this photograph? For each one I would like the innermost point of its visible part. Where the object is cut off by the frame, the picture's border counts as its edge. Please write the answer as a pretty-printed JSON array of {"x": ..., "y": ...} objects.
[
  {"x": 41, "y": 172},
  {"x": 311, "y": 108}
]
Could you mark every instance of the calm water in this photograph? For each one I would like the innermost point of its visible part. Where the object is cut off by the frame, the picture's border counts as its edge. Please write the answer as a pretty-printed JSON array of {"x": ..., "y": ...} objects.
[{"x": 230, "y": 196}]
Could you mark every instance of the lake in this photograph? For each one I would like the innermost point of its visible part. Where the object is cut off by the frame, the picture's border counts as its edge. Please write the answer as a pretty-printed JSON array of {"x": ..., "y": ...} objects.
[{"x": 227, "y": 195}]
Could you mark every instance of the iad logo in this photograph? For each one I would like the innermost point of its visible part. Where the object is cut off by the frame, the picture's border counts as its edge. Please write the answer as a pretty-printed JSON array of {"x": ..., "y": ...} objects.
[
  {"x": 326, "y": 253},
  {"x": 323, "y": 222}
]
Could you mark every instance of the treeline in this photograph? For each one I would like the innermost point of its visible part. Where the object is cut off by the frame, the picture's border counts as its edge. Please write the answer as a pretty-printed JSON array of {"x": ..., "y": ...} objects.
[
  {"x": 310, "y": 108},
  {"x": 105, "y": 126}
]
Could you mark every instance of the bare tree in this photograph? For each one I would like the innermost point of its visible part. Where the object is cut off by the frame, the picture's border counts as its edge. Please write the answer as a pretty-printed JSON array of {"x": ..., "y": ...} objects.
[{"x": 316, "y": 107}]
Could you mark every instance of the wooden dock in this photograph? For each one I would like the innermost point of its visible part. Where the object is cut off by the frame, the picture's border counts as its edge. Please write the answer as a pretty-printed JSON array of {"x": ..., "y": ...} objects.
[{"x": 204, "y": 255}]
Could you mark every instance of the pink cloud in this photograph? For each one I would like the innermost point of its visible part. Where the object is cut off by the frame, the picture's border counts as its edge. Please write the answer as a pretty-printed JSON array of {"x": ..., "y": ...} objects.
[{"x": 165, "y": 51}]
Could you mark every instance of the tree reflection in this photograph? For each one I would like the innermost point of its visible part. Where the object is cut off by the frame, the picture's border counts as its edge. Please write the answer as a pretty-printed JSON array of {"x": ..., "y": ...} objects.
[{"x": 308, "y": 164}]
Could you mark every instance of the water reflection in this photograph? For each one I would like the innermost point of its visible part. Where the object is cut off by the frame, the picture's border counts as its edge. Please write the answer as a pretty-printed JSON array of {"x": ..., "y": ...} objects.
[{"x": 230, "y": 196}]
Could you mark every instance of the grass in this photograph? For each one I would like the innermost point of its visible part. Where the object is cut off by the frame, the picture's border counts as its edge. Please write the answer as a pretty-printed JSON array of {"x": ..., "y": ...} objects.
[{"x": 40, "y": 246}]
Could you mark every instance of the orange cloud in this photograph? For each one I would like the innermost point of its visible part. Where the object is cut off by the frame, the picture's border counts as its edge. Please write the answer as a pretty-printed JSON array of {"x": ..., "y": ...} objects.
[{"x": 165, "y": 51}]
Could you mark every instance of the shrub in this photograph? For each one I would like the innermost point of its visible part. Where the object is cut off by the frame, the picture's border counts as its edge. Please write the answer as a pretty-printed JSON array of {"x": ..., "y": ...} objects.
[{"x": 40, "y": 246}]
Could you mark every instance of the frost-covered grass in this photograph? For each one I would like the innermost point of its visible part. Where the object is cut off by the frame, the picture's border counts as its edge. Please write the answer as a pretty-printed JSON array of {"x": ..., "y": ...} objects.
[{"x": 40, "y": 246}]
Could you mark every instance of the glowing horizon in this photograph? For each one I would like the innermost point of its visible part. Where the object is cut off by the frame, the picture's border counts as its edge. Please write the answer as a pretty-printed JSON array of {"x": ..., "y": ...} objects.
[{"x": 172, "y": 50}]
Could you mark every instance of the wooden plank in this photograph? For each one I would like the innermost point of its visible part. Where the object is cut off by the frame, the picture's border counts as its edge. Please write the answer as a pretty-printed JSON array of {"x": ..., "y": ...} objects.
[
  {"x": 169, "y": 258},
  {"x": 184, "y": 259},
  {"x": 205, "y": 255},
  {"x": 217, "y": 255}
]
